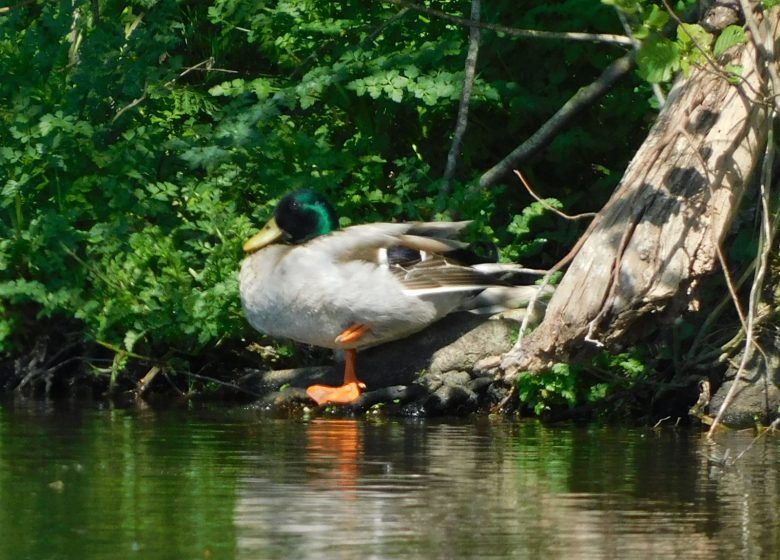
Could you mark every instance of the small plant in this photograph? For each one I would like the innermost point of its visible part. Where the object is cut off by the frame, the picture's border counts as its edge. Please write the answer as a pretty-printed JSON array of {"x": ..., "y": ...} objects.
[
  {"x": 548, "y": 390},
  {"x": 567, "y": 386}
]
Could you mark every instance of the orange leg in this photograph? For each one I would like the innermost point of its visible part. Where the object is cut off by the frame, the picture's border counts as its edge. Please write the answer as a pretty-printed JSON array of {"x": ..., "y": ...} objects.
[
  {"x": 351, "y": 387},
  {"x": 348, "y": 392}
]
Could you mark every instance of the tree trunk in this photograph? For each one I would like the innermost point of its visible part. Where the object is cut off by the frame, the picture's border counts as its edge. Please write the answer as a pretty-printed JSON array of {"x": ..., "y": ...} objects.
[{"x": 645, "y": 253}]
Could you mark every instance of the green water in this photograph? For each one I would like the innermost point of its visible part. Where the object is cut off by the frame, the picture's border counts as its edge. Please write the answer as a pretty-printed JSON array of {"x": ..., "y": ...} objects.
[{"x": 81, "y": 482}]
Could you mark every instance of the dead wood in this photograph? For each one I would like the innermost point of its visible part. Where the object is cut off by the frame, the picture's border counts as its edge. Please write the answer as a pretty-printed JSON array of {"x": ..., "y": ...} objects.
[{"x": 660, "y": 233}]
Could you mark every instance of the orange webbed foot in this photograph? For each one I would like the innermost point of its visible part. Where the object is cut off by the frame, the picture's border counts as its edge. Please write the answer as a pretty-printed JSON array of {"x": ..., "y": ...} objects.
[
  {"x": 351, "y": 387},
  {"x": 345, "y": 394}
]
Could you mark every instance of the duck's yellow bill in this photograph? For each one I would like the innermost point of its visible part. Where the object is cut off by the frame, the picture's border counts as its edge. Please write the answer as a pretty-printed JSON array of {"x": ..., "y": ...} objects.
[{"x": 265, "y": 236}]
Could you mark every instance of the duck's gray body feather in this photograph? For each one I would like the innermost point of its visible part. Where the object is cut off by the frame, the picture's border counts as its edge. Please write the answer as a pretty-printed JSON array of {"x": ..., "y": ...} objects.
[{"x": 314, "y": 291}]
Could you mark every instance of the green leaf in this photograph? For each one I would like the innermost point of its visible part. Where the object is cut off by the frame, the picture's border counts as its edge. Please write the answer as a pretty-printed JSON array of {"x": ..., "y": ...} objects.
[
  {"x": 131, "y": 337},
  {"x": 735, "y": 72},
  {"x": 731, "y": 36},
  {"x": 657, "y": 19},
  {"x": 693, "y": 35},
  {"x": 658, "y": 59}
]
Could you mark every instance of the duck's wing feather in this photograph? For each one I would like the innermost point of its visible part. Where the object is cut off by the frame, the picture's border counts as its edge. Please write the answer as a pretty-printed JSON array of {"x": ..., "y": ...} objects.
[
  {"x": 416, "y": 254},
  {"x": 440, "y": 230},
  {"x": 439, "y": 275}
]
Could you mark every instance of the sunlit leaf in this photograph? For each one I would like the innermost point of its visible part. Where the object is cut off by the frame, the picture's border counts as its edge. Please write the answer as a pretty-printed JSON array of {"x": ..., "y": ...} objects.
[{"x": 729, "y": 37}]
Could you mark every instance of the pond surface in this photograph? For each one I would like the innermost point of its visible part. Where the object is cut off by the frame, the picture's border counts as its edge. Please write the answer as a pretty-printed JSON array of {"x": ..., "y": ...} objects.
[{"x": 87, "y": 482}]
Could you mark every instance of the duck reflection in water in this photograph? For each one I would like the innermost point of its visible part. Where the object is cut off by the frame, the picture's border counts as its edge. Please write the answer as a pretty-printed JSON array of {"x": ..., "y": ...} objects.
[{"x": 334, "y": 451}]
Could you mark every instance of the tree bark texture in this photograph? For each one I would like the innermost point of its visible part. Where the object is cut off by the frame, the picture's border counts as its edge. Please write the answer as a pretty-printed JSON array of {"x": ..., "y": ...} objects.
[{"x": 647, "y": 250}]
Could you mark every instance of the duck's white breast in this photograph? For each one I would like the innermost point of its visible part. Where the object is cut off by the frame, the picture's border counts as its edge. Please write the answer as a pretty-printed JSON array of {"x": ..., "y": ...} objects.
[{"x": 296, "y": 293}]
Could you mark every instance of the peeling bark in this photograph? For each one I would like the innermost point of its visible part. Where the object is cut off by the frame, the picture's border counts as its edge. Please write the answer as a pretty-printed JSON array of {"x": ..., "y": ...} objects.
[{"x": 659, "y": 234}]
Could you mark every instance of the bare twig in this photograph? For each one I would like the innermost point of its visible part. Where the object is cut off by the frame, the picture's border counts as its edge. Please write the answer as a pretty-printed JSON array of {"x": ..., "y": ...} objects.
[
  {"x": 617, "y": 264},
  {"x": 465, "y": 98},
  {"x": 220, "y": 382},
  {"x": 524, "y": 326},
  {"x": 727, "y": 462},
  {"x": 714, "y": 315},
  {"x": 207, "y": 64},
  {"x": 661, "y": 421},
  {"x": 134, "y": 103},
  {"x": 117, "y": 350},
  {"x": 578, "y": 102},
  {"x": 501, "y": 407},
  {"x": 527, "y": 33},
  {"x": 511, "y": 357},
  {"x": 552, "y": 208}
]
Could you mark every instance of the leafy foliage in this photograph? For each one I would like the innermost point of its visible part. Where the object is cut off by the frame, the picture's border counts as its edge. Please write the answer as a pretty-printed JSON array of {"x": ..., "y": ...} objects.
[
  {"x": 661, "y": 56},
  {"x": 605, "y": 379}
]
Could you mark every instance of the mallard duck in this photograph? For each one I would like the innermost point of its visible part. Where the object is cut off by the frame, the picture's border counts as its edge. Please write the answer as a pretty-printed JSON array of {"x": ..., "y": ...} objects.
[{"x": 305, "y": 279}]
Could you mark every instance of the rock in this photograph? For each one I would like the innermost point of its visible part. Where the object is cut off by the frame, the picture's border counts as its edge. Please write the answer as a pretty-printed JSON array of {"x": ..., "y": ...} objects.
[
  {"x": 427, "y": 373},
  {"x": 456, "y": 379},
  {"x": 456, "y": 342},
  {"x": 449, "y": 399},
  {"x": 757, "y": 397},
  {"x": 259, "y": 383}
]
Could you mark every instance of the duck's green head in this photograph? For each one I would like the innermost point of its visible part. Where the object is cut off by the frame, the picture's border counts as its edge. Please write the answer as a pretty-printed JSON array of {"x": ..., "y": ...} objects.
[{"x": 299, "y": 216}]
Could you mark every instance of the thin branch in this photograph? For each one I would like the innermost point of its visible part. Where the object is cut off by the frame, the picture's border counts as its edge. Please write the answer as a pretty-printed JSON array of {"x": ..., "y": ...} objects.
[
  {"x": 212, "y": 69},
  {"x": 609, "y": 297},
  {"x": 134, "y": 103},
  {"x": 531, "y": 308},
  {"x": 526, "y": 33},
  {"x": 714, "y": 315},
  {"x": 200, "y": 65},
  {"x": 220, "y": 382},
  {"x": 771, "y": 428},
  {"x": 384, "y": 25},
  {"x": 117, "y": 350},
  {"x": 552, "y": 208},
  {"x": 577, "y": 103},
  {"x": 511, "y": 358},
  {"x": 465, "y": 98}
]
